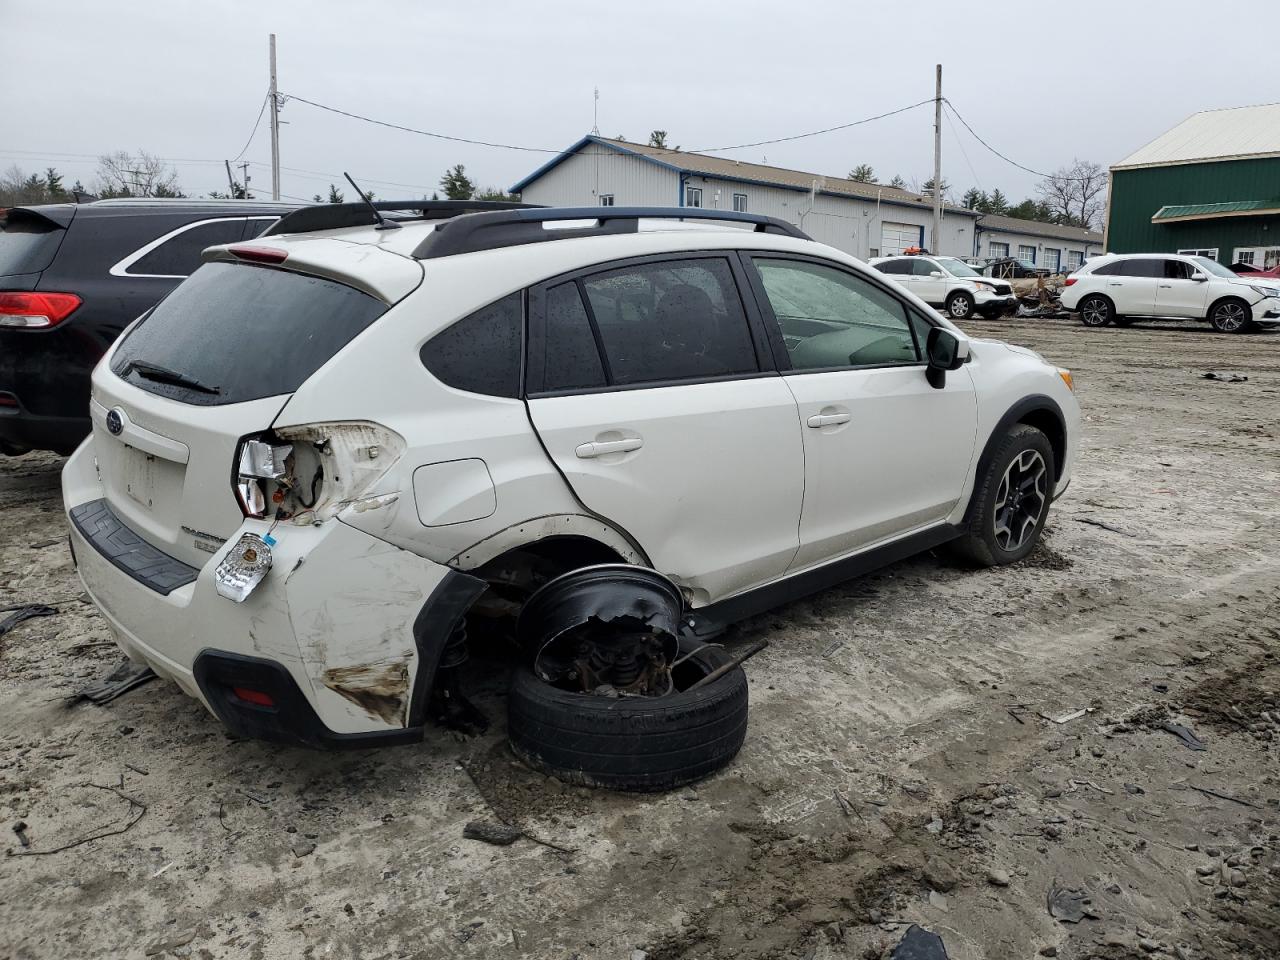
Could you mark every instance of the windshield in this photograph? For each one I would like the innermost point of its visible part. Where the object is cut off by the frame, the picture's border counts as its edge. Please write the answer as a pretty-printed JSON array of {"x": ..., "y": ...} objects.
[
  {"x": 957, "y": 268},
  {"x": 27, "y": 243},
  {"x": 234, "y": 332},
  {"x": 1214, "y": 267}
]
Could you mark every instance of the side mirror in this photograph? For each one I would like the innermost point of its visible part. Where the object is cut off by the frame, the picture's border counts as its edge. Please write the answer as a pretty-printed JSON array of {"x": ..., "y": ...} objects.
[
  {"x": 944, "y": 351},
  {"x": 935, "y": 273},
  {"x": 1199, "y": 277}
]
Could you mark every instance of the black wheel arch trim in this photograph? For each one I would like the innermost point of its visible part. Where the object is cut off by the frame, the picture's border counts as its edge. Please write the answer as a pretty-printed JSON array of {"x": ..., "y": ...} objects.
[{"x": 1015, "y": 414}]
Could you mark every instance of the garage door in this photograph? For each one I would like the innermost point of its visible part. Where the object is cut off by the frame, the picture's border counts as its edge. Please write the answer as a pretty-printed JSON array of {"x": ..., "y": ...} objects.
[{"x": 896, "y": 237}]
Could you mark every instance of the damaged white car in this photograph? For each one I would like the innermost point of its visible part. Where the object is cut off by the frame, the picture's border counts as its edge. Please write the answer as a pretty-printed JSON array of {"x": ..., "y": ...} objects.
[{"x": 331, "y": 447}]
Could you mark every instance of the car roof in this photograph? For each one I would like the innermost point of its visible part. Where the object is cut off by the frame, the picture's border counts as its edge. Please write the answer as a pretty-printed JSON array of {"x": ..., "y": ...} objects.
[{"x": 62, "y": 213}]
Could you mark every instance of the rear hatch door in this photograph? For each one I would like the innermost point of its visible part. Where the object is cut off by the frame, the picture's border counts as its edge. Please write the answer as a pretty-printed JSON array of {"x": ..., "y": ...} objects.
[
  {"x": 213, "y": 362},
  {"x": 29, "y": 240}
]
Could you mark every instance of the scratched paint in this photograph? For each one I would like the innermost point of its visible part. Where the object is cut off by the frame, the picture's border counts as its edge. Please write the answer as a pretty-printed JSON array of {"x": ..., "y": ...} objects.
[{"x": 381, "y": 689}]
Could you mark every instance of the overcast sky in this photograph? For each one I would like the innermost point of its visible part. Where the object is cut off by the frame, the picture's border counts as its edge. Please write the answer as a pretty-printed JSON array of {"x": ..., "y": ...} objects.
[{"x": 1041, "y": 83}]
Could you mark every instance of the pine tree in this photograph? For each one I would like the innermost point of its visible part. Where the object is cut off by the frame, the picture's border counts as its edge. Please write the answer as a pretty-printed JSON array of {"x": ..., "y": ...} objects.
[
  {"x": 863, "y": 173},
  {"x": 999, "y": 203},
  {"x": 973, "y": 198},
  {"x": 898, "y": 182},
  {"x": 335, "y": 195},
  {"x": 456, "y": 184}
]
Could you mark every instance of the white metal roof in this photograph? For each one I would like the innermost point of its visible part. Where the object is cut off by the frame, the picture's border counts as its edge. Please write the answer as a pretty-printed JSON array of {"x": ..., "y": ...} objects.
[{"x": 1229, "y": 134}]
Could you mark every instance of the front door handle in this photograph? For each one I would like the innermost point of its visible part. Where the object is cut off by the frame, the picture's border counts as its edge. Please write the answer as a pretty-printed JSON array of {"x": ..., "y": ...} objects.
[
  {"x": 1165, "y": 286},
  {"x": 598, "y": 448},
  {"x": 828, "y": 419}
]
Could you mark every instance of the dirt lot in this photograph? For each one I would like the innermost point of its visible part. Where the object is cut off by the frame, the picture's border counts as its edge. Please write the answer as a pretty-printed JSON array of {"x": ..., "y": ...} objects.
[{"x": 915, "y": 694}]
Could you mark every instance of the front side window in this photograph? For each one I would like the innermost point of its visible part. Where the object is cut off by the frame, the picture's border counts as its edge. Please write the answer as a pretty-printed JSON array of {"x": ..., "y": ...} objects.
[
  {"x": 480, "y": 353},
  {"x": 740, "y": 202},
  {"x": 1027, "y": 253},
  {"x": 832, "y": 319},
  {"x": 924, "y": 268},
  {"x": 1177, "y": 270},
  {"x": 179, "y": 256},
  {"x": 693, "y": 196}
]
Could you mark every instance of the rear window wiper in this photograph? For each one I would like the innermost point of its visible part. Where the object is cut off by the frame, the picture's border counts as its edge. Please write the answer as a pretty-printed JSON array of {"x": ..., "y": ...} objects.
[{"x": 153, "y": 371}]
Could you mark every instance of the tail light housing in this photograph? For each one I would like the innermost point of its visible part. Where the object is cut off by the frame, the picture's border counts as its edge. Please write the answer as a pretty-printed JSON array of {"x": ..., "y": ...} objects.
[
  {"x": 1069, "y": 281},
  {"x": 32, "y": 310},
  {"x": 311, "y": 473}
]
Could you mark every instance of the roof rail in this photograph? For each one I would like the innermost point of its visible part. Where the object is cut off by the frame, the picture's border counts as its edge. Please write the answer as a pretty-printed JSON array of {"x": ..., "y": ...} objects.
[
  {"x": 333, "y": 216},
  {"x": 509, "y": 228},
  {"x": 187, "y": 201}
]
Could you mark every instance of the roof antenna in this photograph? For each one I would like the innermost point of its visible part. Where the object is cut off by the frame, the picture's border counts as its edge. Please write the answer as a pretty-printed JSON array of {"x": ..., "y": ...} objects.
[{"x": 383, "y": 222}]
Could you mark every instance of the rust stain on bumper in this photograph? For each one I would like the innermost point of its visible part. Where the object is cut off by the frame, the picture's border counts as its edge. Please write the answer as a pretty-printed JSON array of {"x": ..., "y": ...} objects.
[{"x": 380, "y": 689}]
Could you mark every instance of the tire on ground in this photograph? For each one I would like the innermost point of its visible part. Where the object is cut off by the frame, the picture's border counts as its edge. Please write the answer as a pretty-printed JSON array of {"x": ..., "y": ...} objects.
[
  {"x": 1096, "y": 311},
  {"x": 641, "y": 744},
  {"x": 960, "y": 305},
  {"x": 978, "y": 546}
]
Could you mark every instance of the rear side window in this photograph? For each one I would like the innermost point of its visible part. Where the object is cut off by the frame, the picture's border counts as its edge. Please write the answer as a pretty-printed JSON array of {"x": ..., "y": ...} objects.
[
  {"x": 179, "y": 256},
  {"x": 236, "y": 332},
  {"x": 481, "y": 352},
  {"x": 673, "y": 320},
  {"x": 27, "y": 243}
]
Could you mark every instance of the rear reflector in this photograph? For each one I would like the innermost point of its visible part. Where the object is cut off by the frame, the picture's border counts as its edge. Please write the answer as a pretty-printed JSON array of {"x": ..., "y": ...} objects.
[
  {"x": 8, "y": 399},
  {"x": 36, "y": 311},
  {"x": 260, "y": 254},
  {"x": 256, "y": 697}
]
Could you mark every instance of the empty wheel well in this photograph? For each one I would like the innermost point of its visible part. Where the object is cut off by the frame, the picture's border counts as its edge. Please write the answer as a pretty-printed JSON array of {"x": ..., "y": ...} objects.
[
  {"x": 519, "y": 571},
  {"x": 1047, "y": 423}
]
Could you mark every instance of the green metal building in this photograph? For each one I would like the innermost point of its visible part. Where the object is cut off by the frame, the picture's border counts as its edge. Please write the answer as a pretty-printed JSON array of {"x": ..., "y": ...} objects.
[{"x": 1210, "y": 186}]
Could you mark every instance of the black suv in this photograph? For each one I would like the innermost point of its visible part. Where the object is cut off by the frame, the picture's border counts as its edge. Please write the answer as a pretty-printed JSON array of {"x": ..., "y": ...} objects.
[{"x": 72, "y": 277}]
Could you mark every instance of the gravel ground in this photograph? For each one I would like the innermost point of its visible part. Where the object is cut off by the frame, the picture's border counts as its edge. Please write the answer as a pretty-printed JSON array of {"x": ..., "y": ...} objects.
[{"x": 898, "y": 768}]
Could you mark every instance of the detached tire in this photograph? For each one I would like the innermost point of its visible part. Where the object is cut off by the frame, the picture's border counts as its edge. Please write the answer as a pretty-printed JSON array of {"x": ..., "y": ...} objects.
[
  {"x": 639, "y": 744},
  {"x": 1010, "y": 501}
]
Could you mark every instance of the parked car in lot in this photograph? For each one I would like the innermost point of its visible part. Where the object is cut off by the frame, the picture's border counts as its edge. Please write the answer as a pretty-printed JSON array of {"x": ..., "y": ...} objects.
[
  {"x": 1121, "y": 288},
  {"x": 72, "y": 276},
  {"x": 332, "y": 447},
  {"x": 951, "y": 284},
  {"x": 1249, "y": 270},
  {"x": 1011, "y": 268}
]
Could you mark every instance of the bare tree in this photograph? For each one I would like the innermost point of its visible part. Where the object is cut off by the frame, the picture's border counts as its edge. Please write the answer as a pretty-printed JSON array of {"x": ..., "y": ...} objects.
[
  {"x": 1076, "y": 194},
  {"x": 122, "y": 174}
]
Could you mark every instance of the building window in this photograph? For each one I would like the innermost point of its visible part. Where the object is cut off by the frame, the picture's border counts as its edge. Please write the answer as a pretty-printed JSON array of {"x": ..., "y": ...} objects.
[
  {"x": 1245, "y": 256},
  {"x": 1210, "y": 252},
  {"x": 740, "y": 202},
  {"x": 606, "y": 199},
  {"x": 1074, "y": 259},
  {"x": 1052, "y": 258},
  {"x": 693, "y": 196},
  {"x": 873, "y": 252},
  {"x": 998, "y": 250},
  {"x": 1026, "y": 252}
]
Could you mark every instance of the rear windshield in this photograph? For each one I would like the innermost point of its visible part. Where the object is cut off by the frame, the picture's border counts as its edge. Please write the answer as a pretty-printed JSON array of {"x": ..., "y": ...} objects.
[
  {"x": 27, "y": 243},
  {"x": 235, "y": 332}
]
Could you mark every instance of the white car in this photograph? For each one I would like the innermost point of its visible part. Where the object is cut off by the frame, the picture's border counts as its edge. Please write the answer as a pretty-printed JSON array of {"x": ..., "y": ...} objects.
[
  {"x": 334, "y": 446},
  {"x": 951, "y": 284},
  {"x": 1121, "y": 288}
]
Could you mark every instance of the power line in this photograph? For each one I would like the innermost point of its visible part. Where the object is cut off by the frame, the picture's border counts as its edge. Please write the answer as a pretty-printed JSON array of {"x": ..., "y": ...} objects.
[
  {"x": 423, "y": 133},
  {"x": 253, "y": 132},
  {"x": 1002, "y": 156},
  {"x": 964, "y": 153},
  {"x": 814, "y": 133}
]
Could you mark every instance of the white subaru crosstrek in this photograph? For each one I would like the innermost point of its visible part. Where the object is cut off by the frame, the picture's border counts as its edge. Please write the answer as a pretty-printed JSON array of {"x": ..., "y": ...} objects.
[
  {"x": 1121, "y": 288},
  {"x": 951, "y": 284},
  {"x": 334, "y": 446}
]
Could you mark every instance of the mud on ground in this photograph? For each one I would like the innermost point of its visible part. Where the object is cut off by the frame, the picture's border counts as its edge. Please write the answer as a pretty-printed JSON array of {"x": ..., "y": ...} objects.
[{"x": 898, "y": 766}]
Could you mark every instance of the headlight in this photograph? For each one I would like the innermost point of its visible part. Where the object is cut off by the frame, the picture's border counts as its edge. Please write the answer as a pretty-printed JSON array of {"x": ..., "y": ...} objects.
[
  {"x": 984, "y": 285},
  {"x": 1265, "y": 291}
]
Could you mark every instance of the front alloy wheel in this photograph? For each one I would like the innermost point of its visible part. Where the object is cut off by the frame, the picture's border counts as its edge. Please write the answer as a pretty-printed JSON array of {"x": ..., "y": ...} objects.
[
  {"x": 1230, "y": 316},
  {"x": 1020, "y": 500}
]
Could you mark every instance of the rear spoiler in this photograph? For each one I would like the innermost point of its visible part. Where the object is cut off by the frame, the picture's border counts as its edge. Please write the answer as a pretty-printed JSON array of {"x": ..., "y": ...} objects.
[{"x": 59, "y": 215}]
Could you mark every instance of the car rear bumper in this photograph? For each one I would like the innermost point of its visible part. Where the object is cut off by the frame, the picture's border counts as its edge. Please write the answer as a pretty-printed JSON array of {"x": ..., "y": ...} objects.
[
  {"x": 343, "y": 636},
  {"x": 28, "y": 431}
]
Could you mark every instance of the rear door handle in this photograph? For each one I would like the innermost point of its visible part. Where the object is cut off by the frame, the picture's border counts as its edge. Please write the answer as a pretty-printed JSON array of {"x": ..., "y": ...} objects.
[
  {"x": 1165, "y": 286},
  {"x": 827, "y": 419},
  {"x": 598, "y": 448}
]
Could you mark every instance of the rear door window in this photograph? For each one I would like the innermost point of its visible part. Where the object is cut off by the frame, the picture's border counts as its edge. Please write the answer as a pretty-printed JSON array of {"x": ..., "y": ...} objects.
[
  {"x": 236, "y": 332},
  {"x": 27, "y": 243},
  {"x": 179, "y": 255},
  {"x": 894, "y": 266}
]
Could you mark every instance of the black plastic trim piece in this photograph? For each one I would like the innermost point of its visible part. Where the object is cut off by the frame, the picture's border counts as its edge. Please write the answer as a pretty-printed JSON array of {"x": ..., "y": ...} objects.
[
  {"x": 443, "y": 611},
  {"x": 1014, "y": 414},
  {"x": 717, "y": 615},
  {"x": 509, "y": 228},
  {"x": 333, "y": 216},
  {"x": 292, "y": 720},
  {"x": 111, "y": 537}
]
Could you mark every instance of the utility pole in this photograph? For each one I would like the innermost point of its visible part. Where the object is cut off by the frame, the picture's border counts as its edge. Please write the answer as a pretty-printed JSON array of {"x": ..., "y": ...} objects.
[
  {"x": 244, "y": 173},
  {"x": 275, "y": 123},
  {"x": 934, "y": 247},
  {"x": 231, "y": 181}
]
